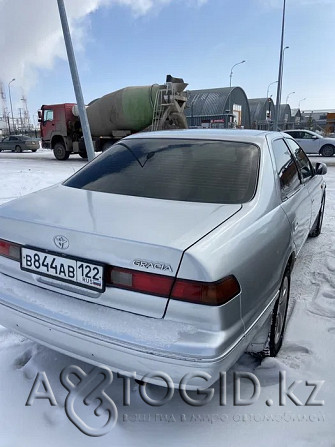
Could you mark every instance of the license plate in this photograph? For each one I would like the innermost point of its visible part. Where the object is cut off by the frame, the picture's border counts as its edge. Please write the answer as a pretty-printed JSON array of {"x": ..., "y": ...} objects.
[{"x": 68, "y": 269}]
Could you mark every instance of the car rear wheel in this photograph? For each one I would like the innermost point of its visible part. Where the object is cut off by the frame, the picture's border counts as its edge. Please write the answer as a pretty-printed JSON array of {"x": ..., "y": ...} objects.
[
  {"x": 317, "y": 225},
  {"x": 279, "y": 316},
  {"x": 33, "y": 150},
  {"x": 60, "y": 152},
  {"x": 17, "y": 149},
  {"x": 327, "y": 150}
]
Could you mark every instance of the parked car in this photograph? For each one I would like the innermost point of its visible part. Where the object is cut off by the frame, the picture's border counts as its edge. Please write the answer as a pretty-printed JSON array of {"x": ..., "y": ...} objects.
[
  {"x": 19, "y": 143},
  {"x": 312, "y": 142},
  {"x": 161, "y": 253}
]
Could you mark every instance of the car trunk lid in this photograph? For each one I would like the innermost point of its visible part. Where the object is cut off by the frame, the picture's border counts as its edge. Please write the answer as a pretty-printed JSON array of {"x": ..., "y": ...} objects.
[{"x": 113, "y": 229}]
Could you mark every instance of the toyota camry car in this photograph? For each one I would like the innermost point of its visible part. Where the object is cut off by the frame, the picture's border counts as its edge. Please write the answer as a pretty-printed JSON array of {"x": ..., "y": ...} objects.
[
  {"x": 171, "y": 251},
  {"x": 312, "y": 142}
]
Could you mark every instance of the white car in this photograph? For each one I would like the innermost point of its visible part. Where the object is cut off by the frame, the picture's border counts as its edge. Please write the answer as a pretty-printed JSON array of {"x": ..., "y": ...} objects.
[{"x": 312, "y": 142}]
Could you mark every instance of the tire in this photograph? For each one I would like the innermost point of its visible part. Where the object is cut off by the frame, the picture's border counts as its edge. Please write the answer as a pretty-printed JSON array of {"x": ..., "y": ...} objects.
[
  {"x": 279, "y": 315},
  {"x": 83, "y": 154},
  {"x": 317, "y": 225},
  {"x": 60, "y": 152},
  {"x": 327, "y": 150},
  {"x": 33, "y": 150},
  {"x": 18, "y": 149}
]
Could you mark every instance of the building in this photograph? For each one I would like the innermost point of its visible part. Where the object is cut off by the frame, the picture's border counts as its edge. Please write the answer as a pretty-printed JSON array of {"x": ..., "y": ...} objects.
[
  {"x": 296, "y": 118},
  {"x": 228, "y": 106},
  {"x": 285, "y": 118},
  {"x": 262, "y": 112}
]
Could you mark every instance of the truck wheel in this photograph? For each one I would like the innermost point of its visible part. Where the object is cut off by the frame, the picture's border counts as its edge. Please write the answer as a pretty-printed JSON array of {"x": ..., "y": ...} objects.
[
  {"x": 18, "y": 149},
  {"x": 83, "y": 154},
  {"x": 60, "y": 152},
  {"x": 279, "y": 316}
]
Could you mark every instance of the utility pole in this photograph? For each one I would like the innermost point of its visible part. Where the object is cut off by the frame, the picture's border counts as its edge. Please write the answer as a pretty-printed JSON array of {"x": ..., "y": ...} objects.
[
  {"x": 20, "y": 113},
  {"x": 11, "y": 106},
  {"x": 76, "y": 82},
  {"x": 280, "y": 72}
]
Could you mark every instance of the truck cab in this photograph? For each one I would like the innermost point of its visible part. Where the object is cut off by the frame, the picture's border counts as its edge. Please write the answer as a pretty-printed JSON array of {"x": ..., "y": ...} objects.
[{"x": 61, "y": 130}]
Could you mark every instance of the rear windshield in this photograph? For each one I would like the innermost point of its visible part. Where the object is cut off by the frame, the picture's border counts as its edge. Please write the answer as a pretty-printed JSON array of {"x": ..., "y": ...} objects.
[{"x": 207, "y": 171}]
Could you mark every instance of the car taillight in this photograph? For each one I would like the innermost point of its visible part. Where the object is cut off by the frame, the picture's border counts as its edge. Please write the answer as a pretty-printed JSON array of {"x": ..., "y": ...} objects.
[
  {"x": 9, "y": 250},
  {"x": 212, "y": 294},
  {"x": 140, "y": 281}
]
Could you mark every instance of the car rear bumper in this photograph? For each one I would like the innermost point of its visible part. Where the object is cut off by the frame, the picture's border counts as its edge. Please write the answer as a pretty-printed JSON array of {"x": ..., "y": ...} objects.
[{"x": 124, "y": 342}]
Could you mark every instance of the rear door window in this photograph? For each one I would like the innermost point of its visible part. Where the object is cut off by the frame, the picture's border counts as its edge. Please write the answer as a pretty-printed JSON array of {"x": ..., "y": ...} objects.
[
  {"x": 306, "y": 168},
  {"x": 207, "y": 171},
  {"x": 286, "y": 168}
]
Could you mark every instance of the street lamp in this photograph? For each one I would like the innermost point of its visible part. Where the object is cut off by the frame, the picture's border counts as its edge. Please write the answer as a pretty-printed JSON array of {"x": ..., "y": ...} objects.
[
  {"x": 288, "y": 96},
  {"x": 301, "y": 102},
  {"x": 10, "y": 100},
  {"x": 267, "y": 92},
  {"x": 230, "y": 76},
  {"x": 231, "y": 71},
  {"x": 280, "y": 71},
  {"x": 282, "y": 68}
]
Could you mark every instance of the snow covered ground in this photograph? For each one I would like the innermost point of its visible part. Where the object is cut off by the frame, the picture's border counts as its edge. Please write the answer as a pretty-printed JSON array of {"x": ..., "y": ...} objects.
[{"x": 307, "y": 354}]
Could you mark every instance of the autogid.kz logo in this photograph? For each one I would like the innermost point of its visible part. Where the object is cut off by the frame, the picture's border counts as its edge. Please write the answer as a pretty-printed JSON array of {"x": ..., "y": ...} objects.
[
  {"x": 92, "y": 392},
  {"x": 86, "y": 399},
  {"x": 94, "y": 413}
]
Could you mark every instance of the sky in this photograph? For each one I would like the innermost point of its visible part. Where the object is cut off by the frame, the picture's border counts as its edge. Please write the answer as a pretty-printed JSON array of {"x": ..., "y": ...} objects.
[{"x": 121, "y": 43}]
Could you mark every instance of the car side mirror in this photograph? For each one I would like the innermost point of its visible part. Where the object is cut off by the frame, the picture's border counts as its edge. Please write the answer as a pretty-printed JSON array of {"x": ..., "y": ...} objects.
[{"x": 320, "y": 169}]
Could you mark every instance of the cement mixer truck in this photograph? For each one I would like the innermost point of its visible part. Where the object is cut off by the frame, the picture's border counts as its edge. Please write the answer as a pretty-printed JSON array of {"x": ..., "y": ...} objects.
[{"x": 114, "y": 116}]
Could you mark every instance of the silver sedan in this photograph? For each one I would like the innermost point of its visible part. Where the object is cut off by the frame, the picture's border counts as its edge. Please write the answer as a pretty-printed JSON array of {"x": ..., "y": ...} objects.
[
  {"x": 171, "y": 251},
  {"x": 19, "y": 143}
]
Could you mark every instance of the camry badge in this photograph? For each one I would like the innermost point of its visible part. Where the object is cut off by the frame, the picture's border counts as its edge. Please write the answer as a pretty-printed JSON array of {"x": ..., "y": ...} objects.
[{"x": 61, "y": 242}]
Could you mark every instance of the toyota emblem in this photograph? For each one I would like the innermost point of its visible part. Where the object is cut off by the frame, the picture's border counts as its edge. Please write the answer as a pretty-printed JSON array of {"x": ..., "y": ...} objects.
[{"x": 61, "y": 242}]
